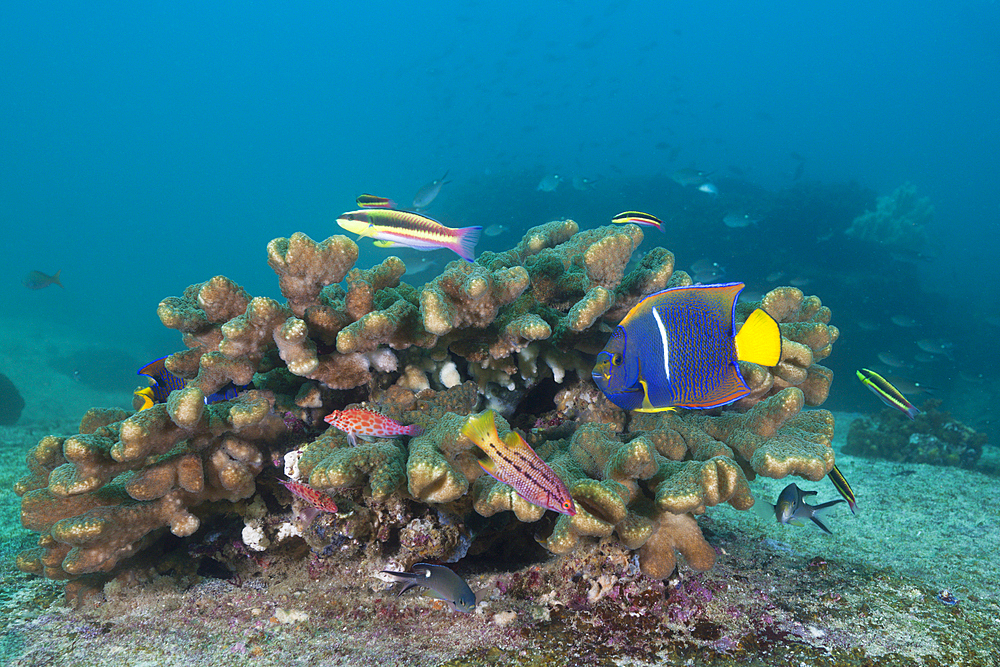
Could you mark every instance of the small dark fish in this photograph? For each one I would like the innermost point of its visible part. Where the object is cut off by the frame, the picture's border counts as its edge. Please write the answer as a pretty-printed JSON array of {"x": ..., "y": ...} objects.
[
  {"x": 886, "y": 392},
  {"x": 840, "y": 482},
  {"x": 447, "y": 585},
  {"x": 427, "y": 194},
  {"x": 792, "y": 508},
  {"x": 639, "y": 218},
  {"x": 373, "y": 201},
  {"x": 799, "y": 171},
  {"x": 38, "y": 280}
]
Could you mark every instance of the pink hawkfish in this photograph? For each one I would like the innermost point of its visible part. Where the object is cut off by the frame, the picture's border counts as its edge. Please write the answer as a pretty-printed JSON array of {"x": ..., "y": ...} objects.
[
  {"x": 368, "y": 424},
  {"x": 316, "y": 501}
]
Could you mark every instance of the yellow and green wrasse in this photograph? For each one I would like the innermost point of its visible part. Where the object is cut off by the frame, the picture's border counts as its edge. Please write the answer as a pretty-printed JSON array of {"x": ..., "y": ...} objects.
[
  {"x": 373, "y": 201},
  {"x": 513, "y": 461},
  {"x": 840, "y": 483},
  {"x": 639, "y": 218},
  {"x": 886, "y": 392},
  {"x": 413, "y": 230}
]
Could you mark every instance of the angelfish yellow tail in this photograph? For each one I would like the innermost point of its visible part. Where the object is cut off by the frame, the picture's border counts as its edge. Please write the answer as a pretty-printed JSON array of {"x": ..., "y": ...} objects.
[{"x": 759, "y": 340}]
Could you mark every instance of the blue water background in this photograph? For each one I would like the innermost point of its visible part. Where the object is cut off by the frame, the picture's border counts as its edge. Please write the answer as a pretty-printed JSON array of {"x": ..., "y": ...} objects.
[{"x": 149, "y": 146}]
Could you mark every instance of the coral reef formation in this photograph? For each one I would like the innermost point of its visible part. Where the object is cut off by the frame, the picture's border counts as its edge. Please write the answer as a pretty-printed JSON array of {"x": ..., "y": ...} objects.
[
  {"x": 933, "y": 436},
  {"x": 898, "y": 220},
  {"x": 519, "y": 328}
]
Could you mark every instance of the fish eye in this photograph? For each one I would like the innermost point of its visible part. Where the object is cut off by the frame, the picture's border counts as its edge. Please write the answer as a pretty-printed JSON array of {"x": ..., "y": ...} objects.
[{"x": 616, "y": 360}]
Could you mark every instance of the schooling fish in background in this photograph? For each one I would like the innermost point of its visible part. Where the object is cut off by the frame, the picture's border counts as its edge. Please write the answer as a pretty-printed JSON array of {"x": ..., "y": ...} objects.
[
  {"x": 427, "y": 194},
  {"x": 374, "y": 201},
  {"x": 792, "y": 508},
  {"x": 639, "y": 218},
  {"x": 709, "y": 188},
  {"x": 368, "y": 424},
  {"x": 513, "y": 461},
  {"x": 549, "y": 183},
  {"x": 840, "y": 483},
  {"x": 410, "y": 229},
  {"x": 690, "y": 176},
  {"x": 447, "y": 586},
  {"x": 886, "y": 392},
  {"x": 583, "y": 183},
  {"x": 678, "y": 348},
  {"x": 739, "y": 220},
  {"x": 38, "y": 280},
  {"x": 162, "y": 382}
]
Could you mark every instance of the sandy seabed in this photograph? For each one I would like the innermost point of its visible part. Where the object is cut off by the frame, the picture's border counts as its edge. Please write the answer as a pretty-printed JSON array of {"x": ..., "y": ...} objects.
[{"x": 876, "y": 592}]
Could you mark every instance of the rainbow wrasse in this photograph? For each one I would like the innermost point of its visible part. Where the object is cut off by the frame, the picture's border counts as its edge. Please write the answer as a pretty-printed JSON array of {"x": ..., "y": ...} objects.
[
  {"x": 405, "y": 228},
  {"x": 886, "y": 392},
  {"x": 513, "y": 461}
]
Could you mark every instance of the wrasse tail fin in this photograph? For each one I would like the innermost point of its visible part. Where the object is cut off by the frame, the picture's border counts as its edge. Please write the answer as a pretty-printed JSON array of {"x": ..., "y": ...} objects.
[
  {"x": 759, "y": 340},
  {"x": 465, "y": 245}
]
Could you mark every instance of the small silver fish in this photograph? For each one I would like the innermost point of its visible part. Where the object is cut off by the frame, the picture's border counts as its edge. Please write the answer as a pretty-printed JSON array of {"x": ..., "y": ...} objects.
[
  {"x": 446, "y": 585},
  {"x": 495, "y": 230},
  {"x": 933, "y": 346},
  {"x": 709, "y": 188},
  {"x": 549, "y": 183},
  {"x": 739, "y": 220},
  {"x": 903, "y": 321},
  {"x": 427, "y": 194},
  {"x": 890, "y": 359},
  {"x": 583, "y": 184}
]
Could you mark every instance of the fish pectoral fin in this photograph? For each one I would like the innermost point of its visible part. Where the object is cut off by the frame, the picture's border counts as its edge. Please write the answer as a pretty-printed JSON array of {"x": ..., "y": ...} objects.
[
  {"x": 797, "y": 522},
  {"x": 647, "y": 406},
  {"x": 486, "y": 463},
  {"x": 759, "y": 340},
  {"x": 386, "y": 244}
]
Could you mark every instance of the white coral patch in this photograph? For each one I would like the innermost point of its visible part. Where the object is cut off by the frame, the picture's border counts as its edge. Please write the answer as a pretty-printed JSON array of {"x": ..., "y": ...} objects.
[
  {"x": 292, "y": 464},
  {"x": 382, "y": 360},
  {"x": 450, "y": 377},
  {"x": 287, "y": 530},
  {"x": 254, "y": 537}
]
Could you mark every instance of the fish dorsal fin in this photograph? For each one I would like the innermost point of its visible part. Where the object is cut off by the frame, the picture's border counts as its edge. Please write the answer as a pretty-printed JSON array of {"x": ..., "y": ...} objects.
[
  {"x": 759, "y": 340},
  {"x": 154, "y": 369},
  {"x": 515, "y": 442}
]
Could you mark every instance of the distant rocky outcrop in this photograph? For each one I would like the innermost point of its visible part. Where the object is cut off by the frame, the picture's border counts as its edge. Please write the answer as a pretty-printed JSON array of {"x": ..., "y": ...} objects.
[{"x": 11, "y": 402}]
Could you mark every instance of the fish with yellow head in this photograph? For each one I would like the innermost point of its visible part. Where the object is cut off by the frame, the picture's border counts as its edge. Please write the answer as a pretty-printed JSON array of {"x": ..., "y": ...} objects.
[{"x": 678, "y": 348}]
